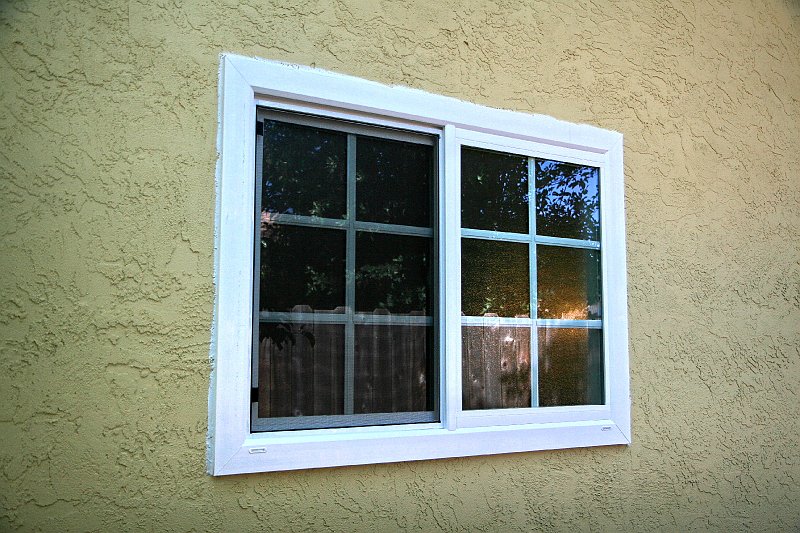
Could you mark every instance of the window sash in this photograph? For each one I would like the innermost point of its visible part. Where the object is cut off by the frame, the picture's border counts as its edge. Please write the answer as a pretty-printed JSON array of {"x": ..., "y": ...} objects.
[
  {"x": 532, "y": 150},
  {"x": 532, "y": 239},
  {"x": 350, "y": 317}
]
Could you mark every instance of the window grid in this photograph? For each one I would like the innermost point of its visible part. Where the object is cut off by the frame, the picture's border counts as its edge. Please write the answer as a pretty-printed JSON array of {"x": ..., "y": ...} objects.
[
  {"x": 349, "y": 318},
  {"x": 532, "y": 240}
]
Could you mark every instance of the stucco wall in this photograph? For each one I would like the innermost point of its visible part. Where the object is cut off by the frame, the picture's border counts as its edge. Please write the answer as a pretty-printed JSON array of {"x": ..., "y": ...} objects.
[{"x": 107, "y": 158}]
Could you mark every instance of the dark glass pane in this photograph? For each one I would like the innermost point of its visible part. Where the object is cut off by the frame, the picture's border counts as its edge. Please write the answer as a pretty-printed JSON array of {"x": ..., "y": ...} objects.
[
  {"x": 393, "y": 369},
  {"x": 302, "y": 269},
  {"x": 305, "y": 170},
  {"x": 567, "y": 200},
  {"x": 394, "y": 182},
  {"x": 494, "y": 191},
  {"x": 393, "y": 273},
  {"x": 494, "y": 278},
  {"x": 569, "y": 283},
  {"x": 570, "y": 366},
  {"x": 300, "y": 369},
  {"x": 495, "y": 367}
]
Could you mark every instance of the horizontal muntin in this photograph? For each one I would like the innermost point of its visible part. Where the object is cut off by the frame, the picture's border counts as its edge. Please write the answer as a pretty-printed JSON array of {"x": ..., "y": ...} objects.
[
  {"x": 492, "y": 235},
  {"x": 488, "y": 321},
  {"x": 565, "y": 323},
  {"x": 569, "y": 243},
  {"x": 343, "y": 318},
  {"x": 508, "y": 236},
  {"x": 343, "y": 223}
]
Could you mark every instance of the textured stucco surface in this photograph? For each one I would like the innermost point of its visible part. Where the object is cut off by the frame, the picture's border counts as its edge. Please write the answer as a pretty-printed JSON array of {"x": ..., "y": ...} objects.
[{"x": 107, "y": 158}]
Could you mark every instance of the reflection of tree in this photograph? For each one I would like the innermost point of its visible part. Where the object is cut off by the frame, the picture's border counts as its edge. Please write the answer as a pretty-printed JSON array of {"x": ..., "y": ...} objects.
[
  {"x": 567, "y": 200},
  {"x": 390, "y": 286},
  {"x": 393, "y": 273},
  {"x": 494, "y": 278},
  {"x": 567, "y": 205},
  {"x": 494, "y": 191},
  {"x": 393, "y": 182},
  {"x": 304, "y": 170},
  {"x": 301, "y": 266},
  {"x": 568, "y": 283}
]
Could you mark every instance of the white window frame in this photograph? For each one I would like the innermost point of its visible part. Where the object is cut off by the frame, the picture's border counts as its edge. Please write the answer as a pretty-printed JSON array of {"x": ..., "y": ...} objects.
[{"x": 246, "y": 83}]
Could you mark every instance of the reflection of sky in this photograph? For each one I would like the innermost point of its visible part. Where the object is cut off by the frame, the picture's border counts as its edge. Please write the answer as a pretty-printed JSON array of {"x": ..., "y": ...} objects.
[
  {"x": 568, "y": 190},
  {"x": 571, "y": 180}
]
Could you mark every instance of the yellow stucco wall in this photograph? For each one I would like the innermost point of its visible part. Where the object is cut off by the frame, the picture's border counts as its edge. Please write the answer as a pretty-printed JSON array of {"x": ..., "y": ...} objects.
[{"x": 107, "y": 160}]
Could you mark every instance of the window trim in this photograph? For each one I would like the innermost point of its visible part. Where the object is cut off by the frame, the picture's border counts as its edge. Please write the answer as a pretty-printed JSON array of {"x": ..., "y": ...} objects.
[{"x": 246, "y": 83}]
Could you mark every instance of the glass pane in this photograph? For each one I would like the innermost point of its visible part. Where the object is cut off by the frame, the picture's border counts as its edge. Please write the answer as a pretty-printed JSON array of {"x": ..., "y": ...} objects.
[
  {"x": 393, "y": 274},
  {"x": 305, "y": 170},
  {"x": 495, "y": 278},
  {"x": 568, "y": 283},
  {"x": 570, "y": 366},
  {"x": 302, "y": 269},
  {"x": 394, "y": 182},
  {"x": 567, "y": 200},
  {"x": 494, "y": 191},
  {"x": 496, "y": 367},
  {"x": 393, "y": 369},
  {"x": 300, "y": 369}
]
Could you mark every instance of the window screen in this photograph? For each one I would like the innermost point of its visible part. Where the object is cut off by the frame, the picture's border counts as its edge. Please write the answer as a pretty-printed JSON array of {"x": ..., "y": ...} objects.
[{"x": 344, "y": 251}]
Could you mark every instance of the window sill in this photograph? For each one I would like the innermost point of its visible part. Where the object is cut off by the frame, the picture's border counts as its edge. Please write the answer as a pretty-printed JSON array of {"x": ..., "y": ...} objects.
[{"x": 292, "y": 450}]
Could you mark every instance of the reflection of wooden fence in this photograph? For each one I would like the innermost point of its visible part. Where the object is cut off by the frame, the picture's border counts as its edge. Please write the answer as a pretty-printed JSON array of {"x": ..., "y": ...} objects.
[
  {"x": 391, "y": 369},
  {"x": 304, "y": 374},
  {"x": 496, "y": 367},
  {"x": 570, "y": 366}
]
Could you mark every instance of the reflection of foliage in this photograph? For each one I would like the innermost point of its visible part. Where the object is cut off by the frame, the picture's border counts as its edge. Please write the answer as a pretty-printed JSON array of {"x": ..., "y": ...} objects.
[
  {"x": 567, "y": 200},
  {"x": 284, "y": 333},
  {"x": 389, "y": 286},
  {"x": 399, "y": 294},
  {"x": 494, "y": 278},
  {"x": 489, "y": 304},
  {"x": 494, "y": 191},
  {"x": 393, "y": 181},
  {"x": 304, "y": 170},
  {"x": 392, "y": 273},
  {"x": 301, "y": 266},
  {"x": 569, "y": 283},
  {"x": 318, "y": 283}
]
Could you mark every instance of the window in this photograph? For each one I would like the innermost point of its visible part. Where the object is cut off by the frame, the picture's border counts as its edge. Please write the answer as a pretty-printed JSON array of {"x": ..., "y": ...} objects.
[
  {"x": 404, "y": 276},
  {"x": 344, "y": 285},
  {"x": 530, "y": 282}
]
